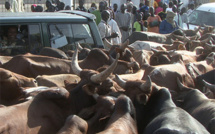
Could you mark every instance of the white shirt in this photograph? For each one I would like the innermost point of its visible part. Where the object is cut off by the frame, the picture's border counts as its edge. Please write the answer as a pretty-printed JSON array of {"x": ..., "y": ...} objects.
[
  {"x": 17, "y": 5},
  {"x": 178, "y": 20},
  {"x": 168, "y": 9},
  {"x": 115, "y": 28},
  {"x": 105, "y": 31}
]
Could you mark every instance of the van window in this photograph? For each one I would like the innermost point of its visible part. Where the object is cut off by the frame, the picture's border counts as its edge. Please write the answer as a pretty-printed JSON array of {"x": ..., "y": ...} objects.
[
  {"x": 65, "y": 36},
  {"x": 35, "y": 44},
  {"x": 199, "y": 18},
  {"x": 20, "y": 39}
]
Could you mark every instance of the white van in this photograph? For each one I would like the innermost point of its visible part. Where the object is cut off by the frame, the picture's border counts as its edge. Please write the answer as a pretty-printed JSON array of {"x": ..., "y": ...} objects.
[{"x": 204, "y": 14}]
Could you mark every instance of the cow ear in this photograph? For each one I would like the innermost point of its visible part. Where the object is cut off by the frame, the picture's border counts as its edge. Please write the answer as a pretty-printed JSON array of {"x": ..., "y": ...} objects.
[
  {"x": 142, "y": 98},
  {"x": 181, "y": 47},
  {"x": 66, "y": 82}
]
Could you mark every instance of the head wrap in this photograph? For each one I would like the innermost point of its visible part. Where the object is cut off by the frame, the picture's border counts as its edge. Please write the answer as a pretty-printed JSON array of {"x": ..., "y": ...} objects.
[{"x": 170, "y": 18}]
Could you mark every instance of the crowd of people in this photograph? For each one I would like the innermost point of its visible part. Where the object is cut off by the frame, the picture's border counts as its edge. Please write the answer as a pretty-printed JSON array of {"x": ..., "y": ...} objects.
[
  {"x": 115, "y": 23},
  {"x": 160, "y": 18}
]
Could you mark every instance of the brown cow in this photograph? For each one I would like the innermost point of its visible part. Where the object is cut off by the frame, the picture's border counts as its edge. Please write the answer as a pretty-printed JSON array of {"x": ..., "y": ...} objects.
[
  {"x": 74, "y": 125},
  {"x": 139, "y": 92},
  {"x": 142, "y": 56},
  {"x": 53, "y": 52},
  {"x": 11, "y": 86},
  {"x": 88, "y": 77},
  {"x": 56, "y": 80},
  {"x": 98, "y": 114},
  {"x": 201, "y": 67},
  {"x": 123, "y": 119},
  {"x": 45, "y": 113},
  {"x": 34, "y": 65},
  {"x": 166, "y": 75}
]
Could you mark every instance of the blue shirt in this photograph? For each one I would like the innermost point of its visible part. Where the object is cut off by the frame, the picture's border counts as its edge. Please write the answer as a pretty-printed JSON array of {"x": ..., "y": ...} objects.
[{"x": 166, "y": 28}]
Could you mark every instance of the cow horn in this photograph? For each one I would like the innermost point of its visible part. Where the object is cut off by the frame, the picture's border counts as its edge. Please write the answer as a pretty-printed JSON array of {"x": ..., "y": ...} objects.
[
  {"x": 124, "y": 45},
  {"x": 147, "y": 85},
  {"x": 79, "y": 47},
  {"x": 75, "y": 67},
  {"x": 107, "y": 43},
  {"x": 209, "y": 45},
  {"x": 204, "y": 25},
  {"x": 120, "y": 81},
  {"x": 210, "y": 86},
  {"x": 197, "y": 30},
  {"x": 155, "y": 50},
  {"x": 104, "y": 74},
  {"x": 181, "y": 38}
]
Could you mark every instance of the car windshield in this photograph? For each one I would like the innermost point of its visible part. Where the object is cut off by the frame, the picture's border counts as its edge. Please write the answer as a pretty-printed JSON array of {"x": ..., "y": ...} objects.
[{"x": 199, "y": 18}]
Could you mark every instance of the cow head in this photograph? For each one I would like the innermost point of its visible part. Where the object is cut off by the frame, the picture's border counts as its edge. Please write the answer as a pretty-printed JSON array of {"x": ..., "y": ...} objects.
[
  {"x": 12, "y": 85},
  {"x": 180, "y": 96},
  {"x": 160, "y": 57},
  {"x": 98, "y": 114},
  {"x": 207, "y": 29},
  {"x": 210, "y": 59},
  {"x": 138, "y": 90},
  {"x": 91, "y": 75},
  {"x": 124, "y": 115},
  {"x": 74, "y": 125},
  {"x": 89, "y": 78}
]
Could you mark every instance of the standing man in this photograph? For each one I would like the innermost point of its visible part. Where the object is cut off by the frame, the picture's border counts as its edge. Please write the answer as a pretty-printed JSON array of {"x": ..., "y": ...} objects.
[
  {"x": 81, "y": 6},
  {"x": 14, "y": 5},
  {"x": 153, "y": 21},
  {"x": 145, "y": 10},
  {"x": 169, "y": 24},
  {"x": 114, "y": 29},
  {"x": 115, "y": 9},
  {"x": 49, "y": 6},
  {"x": 162, "y": 14},
  {"x": 123, "y": 20},
  {"x": 97, "y": 13},
  {"x": 105, "y": 28},
  {"x": 20, "y": 6},
  {"x": 177, "y": 17}
]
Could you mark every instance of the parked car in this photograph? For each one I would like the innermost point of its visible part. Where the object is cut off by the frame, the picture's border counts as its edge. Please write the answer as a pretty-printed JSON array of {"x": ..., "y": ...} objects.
[
  {"x": 202, "y": 15},
  {"x": 56, "y": 30}
]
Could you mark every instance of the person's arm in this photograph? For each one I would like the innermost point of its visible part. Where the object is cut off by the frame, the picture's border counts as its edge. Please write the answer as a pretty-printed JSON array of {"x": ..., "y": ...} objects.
[{"x": 113, "y": 35}]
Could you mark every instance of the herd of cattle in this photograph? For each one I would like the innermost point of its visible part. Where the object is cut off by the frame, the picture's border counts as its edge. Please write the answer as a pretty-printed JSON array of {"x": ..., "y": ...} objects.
[{"x": 151, "y": 84}]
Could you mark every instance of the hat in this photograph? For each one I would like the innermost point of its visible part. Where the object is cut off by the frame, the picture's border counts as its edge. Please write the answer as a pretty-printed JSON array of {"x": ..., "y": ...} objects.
[{"x": 170, "y": 14}]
